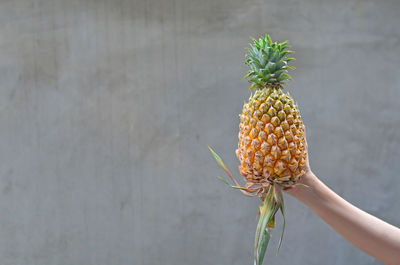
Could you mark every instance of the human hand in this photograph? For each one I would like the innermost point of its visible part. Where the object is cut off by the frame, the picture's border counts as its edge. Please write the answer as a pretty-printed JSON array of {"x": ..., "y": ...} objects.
[{"x": 366, "y": 232}]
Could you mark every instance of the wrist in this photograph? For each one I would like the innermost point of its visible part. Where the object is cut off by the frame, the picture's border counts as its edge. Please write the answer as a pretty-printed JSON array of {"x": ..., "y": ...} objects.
[{"x": 300, "y": 191}]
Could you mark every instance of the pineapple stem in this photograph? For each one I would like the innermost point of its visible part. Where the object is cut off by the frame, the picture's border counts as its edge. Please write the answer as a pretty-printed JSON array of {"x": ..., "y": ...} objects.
[{"x": 272, "y": 203}]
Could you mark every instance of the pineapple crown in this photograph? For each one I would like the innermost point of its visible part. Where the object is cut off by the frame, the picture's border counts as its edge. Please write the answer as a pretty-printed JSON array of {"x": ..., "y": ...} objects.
[{"x": 268, "y": 63}]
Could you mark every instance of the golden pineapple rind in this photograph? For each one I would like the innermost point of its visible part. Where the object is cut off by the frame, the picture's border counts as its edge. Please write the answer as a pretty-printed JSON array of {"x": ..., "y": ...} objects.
[{"x": 271, "y": 146}]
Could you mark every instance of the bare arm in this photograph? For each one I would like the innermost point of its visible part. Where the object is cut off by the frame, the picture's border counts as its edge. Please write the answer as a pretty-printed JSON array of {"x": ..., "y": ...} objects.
[{"x": 368, "y": 233}]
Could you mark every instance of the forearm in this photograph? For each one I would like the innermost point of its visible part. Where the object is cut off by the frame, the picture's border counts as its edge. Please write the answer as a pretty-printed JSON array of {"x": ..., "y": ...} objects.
[{"x": 368, "y": 233}]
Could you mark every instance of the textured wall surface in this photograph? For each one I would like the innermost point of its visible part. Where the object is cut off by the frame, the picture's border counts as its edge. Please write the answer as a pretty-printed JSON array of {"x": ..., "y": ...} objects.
[{"x": 107, "y": 108}]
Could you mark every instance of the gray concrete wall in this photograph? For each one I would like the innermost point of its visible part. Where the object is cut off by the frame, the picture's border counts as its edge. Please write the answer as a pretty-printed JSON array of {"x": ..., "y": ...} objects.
[{"x": 107, "y": 108}]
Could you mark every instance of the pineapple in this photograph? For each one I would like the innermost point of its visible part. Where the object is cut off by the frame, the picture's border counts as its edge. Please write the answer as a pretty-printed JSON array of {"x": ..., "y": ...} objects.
[{"x": 271, "y": 148}]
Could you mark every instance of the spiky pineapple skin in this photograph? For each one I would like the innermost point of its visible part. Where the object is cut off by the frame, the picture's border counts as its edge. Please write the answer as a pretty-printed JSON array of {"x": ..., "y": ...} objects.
[{"x": 271, "y": 147}]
